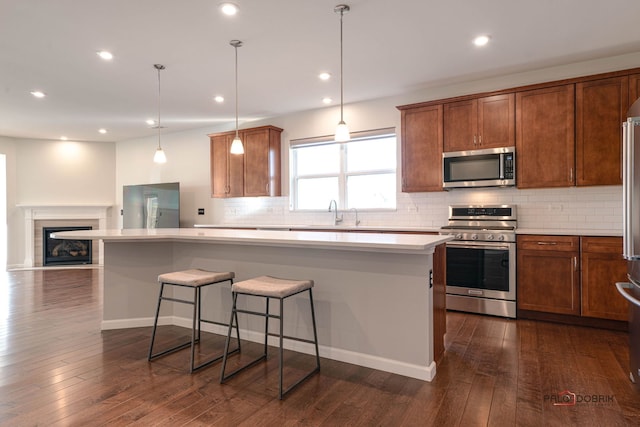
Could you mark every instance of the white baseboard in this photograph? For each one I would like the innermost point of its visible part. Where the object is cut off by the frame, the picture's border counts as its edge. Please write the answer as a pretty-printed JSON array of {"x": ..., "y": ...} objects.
[{"x": 425, "y": 373}]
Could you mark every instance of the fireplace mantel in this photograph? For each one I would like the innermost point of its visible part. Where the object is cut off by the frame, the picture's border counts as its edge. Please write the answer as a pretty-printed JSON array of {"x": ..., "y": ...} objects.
[{"x": 34, "y": 212}]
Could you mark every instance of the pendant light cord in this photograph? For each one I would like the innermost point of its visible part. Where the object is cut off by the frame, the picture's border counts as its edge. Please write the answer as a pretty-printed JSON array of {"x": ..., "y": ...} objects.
[
  {"x": 159, "y": 146},
  {"x": 236, "y": 49},
  {"x": 159, "y": 67},
  {"x": 341, "y": 78}
]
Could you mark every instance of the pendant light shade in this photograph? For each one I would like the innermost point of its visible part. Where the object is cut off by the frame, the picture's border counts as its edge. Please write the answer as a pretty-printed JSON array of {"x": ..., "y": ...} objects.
[
  {"x": 159, "y": 156},
  {"x": 236, "y": 144},
  {"x": 342, "y": 130}
]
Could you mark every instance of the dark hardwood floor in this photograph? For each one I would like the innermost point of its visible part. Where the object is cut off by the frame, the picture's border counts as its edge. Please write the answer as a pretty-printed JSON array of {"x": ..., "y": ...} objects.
[{"x": 58, "y": 368}]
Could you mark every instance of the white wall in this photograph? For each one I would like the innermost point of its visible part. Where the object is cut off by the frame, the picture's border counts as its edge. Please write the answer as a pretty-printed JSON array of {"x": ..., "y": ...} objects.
[
  {"x": 41, "y": 172},
  {"x": 187, "y": 163},
  {"x": 14, "y": 218}
]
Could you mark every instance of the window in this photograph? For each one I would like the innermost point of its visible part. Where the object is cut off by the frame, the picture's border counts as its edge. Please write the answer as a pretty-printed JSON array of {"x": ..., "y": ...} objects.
[{"x": 360, "y": 173}]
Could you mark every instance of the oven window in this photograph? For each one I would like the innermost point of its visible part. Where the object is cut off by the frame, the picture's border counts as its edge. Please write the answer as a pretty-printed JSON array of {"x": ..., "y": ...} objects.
[{"x": 478, "y": 268}]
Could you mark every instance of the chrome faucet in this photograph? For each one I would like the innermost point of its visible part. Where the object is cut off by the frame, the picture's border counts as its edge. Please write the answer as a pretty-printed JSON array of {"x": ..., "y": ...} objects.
[
  {"x": 336, "y": 219},
  {"x": 357, "y": 220}
]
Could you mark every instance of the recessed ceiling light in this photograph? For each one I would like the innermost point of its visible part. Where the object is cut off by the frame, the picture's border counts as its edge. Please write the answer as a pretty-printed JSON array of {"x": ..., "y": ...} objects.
[
  {"x": 219, "y": 98},
  {"x": 63, "y": 138},
  {"x": 38, "y": 94},
  {"x": 150, "y": 122},
  {"x": 102, "y": 131},
  {"x": 324, "y": 76},
  {"x": 327, "y": 100},
  {"x": 229, "y": 9},
  {"x": 481, "y": 40},
  {"x": 106, "y": 55}
]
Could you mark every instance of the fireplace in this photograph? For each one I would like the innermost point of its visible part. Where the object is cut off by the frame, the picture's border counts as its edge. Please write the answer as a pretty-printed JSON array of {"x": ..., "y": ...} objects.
[{"x": 63, "y": 251}]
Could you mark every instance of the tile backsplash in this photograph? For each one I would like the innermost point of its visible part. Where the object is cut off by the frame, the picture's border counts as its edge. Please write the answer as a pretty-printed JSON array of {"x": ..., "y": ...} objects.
[{"x": 574, "y": 208}]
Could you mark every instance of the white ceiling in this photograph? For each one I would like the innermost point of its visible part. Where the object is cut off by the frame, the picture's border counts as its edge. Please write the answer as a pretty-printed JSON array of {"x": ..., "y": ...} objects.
[{"x": 391, "y": 47}]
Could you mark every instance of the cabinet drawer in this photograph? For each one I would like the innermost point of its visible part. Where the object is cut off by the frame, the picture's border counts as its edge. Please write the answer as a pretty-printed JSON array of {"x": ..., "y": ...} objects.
[
  {"x": 548, "y": 243},
  {"x": 608, "y": 245}
]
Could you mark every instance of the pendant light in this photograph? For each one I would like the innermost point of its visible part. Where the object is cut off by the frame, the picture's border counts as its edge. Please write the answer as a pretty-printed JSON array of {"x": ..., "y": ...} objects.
[
  {"x": 342, "y": 131},
  {"x": 236, "y": 144},
  {"x": 159, "y": 156}
]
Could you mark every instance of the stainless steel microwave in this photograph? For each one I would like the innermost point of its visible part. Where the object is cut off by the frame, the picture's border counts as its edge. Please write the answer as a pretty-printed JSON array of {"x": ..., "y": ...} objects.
[{"x": 492, "y": 167}]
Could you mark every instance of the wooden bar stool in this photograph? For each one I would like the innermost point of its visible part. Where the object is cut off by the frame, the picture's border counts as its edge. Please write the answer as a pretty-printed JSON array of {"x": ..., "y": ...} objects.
[
  {"x": 270, "y": 287},
  {"x": 195, "y": 279}
]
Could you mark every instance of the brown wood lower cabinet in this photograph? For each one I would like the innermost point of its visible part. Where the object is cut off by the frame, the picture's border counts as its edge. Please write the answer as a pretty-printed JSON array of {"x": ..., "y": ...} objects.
[
  {"x": 571, "y": 275},
  {"x": 602, "y": 267},
  {"x": 548, "y": 274}
]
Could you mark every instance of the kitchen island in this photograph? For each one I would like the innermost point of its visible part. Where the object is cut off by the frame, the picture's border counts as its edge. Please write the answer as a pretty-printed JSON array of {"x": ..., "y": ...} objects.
[{"x": 373, "y": 295}]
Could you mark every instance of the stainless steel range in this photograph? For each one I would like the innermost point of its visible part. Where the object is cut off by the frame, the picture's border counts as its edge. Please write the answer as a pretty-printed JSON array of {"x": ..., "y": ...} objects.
[{"x": 481, "y": 260}]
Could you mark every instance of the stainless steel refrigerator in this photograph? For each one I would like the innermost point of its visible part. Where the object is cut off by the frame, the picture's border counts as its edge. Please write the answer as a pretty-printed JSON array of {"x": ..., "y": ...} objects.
[{"x": 631, "y": 235}]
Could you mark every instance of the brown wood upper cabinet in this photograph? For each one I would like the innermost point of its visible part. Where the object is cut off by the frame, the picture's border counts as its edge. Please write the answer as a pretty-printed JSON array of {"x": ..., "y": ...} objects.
[
  {"x": 634, "y": 88},
  {"x": 545, "y": 137},
  {"x": 601, "y": 107},
  {"x": 254, "y": 173},
  {"x": 422, "y": 149},
  {"x": 487, "y": 122}
]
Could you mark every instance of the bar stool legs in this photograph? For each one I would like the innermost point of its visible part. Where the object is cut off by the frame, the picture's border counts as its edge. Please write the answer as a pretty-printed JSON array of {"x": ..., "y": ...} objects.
[
  {"x": 269, "y": 287},
  {"x": 195, "y": 279}
]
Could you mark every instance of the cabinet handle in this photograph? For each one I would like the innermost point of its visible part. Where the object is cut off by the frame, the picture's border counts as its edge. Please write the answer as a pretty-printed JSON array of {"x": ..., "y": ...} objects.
[
  {"x": 547, "y": 243},
  {"x": 575, "y": 263},
  {"x": 480, "y": 140},
  {"x": 571, "y": 175},
  {"x": 474, "y": 140},
  {"x": 266, "y": 188}
]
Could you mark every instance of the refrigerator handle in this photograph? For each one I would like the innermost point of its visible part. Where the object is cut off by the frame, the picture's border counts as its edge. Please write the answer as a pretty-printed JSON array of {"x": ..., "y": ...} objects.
[
  {"x": 628, "y": 179},
  {"x": 621, "y": 286}
]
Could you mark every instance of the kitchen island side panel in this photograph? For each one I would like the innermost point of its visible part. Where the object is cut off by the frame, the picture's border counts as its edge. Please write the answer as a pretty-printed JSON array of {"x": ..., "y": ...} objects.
[
  {"x": 131, "y": 282},
  {"x": 372, "y": 308}
]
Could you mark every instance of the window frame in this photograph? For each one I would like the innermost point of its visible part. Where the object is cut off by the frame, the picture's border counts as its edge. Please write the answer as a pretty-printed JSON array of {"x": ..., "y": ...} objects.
[{"x": 342, "y": 174}]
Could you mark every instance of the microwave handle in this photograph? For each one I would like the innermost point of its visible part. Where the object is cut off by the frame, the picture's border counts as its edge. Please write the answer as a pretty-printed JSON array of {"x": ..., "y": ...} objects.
[{"x": 501, "y": 165}]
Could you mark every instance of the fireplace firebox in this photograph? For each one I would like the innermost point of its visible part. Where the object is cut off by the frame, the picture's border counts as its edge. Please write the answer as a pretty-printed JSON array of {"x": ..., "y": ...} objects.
[{"x": 63, "y": 251}]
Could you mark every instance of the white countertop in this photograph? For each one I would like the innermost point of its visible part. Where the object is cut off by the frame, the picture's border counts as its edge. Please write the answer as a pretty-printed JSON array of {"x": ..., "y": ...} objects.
[
  {"x": 386, "y": 242},
  {"x": 381, "y": 228},
  {"x": 571, "y": 232},
  {"x": 402, "y": 229}
]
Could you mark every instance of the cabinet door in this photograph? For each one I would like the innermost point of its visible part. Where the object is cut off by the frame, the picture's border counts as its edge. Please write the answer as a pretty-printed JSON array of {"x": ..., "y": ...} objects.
[
  {"x": 496, "y": 121},
  {"x": 545, "y": 142},
  {"x": 261, "y": 161},
  {"x": 460, "y": 125},
  {"x": 227, "y": 169},
  {"x": 602, "y": 267},
  {"x": 634, "y": 89},
  {"x": 601, "y": 107},
  {"x": 422, "y": 149},
  {"x": 548, "y": 276},
  {"x": 219, "y": 167}
]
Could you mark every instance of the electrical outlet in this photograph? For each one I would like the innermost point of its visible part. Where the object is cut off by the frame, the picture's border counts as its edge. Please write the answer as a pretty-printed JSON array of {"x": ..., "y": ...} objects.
[
  {"x": 200, "y": 211},
  {"x": 412, "y": 208}
]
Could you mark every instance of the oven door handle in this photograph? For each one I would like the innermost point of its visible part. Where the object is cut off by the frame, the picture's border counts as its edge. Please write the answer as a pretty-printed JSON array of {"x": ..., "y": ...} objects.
[{"x": 480, "y": 245}]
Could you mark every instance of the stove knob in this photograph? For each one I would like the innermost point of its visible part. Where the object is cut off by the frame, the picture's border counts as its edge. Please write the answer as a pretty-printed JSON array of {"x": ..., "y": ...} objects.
[
  {"x": 474, "y": 237},
  {"x": 459, "y": 236},
  {"x": 501, "y": 237},
  {"x": 490, "y": 237}
]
